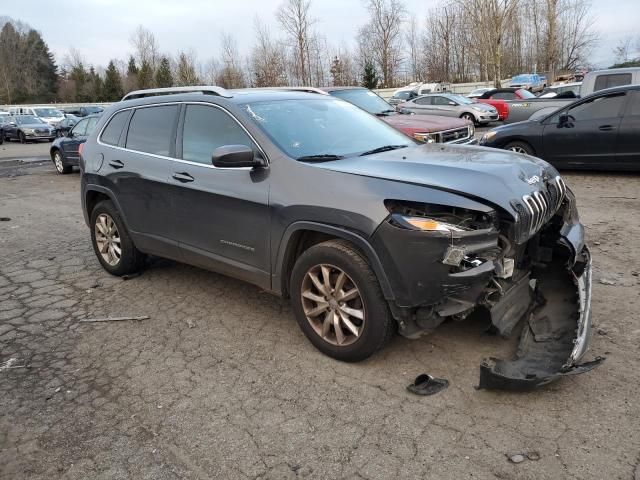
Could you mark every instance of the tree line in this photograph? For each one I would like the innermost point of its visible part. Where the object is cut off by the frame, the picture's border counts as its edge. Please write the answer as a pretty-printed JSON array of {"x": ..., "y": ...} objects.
[{"x": 457, "y": 41}]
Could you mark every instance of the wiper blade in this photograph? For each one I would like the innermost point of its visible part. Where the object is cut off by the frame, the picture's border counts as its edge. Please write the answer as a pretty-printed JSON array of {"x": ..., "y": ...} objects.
[
  {"x": 385, "y": 148},
  {"x": 385, "y": 113},
  {"x": 323, "y": 157}
]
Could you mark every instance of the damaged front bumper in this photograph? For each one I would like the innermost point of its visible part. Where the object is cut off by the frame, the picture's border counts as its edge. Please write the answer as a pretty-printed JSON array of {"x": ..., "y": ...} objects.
[{"x": 557, "y": 326}]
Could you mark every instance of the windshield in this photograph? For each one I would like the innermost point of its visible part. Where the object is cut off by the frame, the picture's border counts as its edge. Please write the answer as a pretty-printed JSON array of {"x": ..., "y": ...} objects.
[
  {"x": 322, "y": 127},
  {"x": 521, "y": 79},
  {"x": 365, "y": 99},
  {"x": 47, "y": 112},
  {"x": 526, "y": 94},
  {"x": 26, "y": 119},
  {"x": 460, "y": 99}
]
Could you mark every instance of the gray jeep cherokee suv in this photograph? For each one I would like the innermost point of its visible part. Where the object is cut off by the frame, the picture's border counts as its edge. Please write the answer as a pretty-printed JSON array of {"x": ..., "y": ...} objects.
[{"x": 366, "y": 231}]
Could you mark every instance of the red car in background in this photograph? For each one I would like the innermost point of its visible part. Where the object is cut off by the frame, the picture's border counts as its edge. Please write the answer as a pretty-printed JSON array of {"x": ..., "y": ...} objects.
[{"x": 498, "y": 98}]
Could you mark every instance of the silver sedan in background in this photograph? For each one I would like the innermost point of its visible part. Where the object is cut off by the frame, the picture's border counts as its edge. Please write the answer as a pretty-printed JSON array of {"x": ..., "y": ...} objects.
[{"x": 451, "y": 105}]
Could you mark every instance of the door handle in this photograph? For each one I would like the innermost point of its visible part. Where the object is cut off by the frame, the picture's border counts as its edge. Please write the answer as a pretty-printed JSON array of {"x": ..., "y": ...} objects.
[
  {"x": 116, "y": 163},
  {"x": 183, "y": 177},
  {"x": 605, "y": 128}
]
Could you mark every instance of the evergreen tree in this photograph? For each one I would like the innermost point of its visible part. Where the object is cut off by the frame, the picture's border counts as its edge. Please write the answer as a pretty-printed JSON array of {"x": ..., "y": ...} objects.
[
  {"x": 131, "y": 81},
  {"x": 79, "y": 77},
  {"x": 369, "y": 76},
  {"x": 186, "y": 73},
  {"x": 132, "y": 69},
  {"x": 145, "y": 75},
  {"x": 112, "y": 91},
  {"x": 164, "y": 78}
]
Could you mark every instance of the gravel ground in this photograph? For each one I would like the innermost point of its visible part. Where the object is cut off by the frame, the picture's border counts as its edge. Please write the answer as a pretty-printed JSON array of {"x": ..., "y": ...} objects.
[{"x": 220, "y": 383}]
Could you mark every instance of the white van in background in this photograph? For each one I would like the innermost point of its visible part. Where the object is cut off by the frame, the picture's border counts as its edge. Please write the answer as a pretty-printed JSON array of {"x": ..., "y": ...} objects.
[
  {"x": 613, "y": 77},
  {"x": 50, "y": 115}
]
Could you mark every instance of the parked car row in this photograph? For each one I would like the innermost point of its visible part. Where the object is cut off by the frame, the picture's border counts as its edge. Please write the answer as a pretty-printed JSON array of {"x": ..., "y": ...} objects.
[{"x": 599, "y": 131}]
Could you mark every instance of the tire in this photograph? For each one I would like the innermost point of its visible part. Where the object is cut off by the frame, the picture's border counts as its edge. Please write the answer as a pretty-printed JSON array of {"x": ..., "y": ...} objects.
[
  {"x": 22, "y": 138},
  {"x": 58, "y": 162},
  {"x": 520, "y": 147},
  {"x": 131, "y": 259},
  {"x": 374, "y": 330},
  {"x": 469, "y": 116},
  {"x": 1, "y": 137}
]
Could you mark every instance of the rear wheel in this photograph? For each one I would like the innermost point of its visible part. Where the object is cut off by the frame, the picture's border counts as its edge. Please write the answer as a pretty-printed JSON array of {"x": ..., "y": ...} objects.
[
  {"x": 338, "y": 302},
  {"x": 520, "y": 147},
  {"x": 57, "y": 159},
  {"x": 111, "y": 242}
]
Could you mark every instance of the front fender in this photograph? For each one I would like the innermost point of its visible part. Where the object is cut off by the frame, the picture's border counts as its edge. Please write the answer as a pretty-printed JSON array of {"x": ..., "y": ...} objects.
[{"x": 284, "y": 250}]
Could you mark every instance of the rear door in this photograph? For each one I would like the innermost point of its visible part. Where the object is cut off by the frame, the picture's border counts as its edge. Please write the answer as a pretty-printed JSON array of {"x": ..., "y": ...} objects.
[
  {"x": 222, "y": 217},
  {"x": 588, "y": 138},
  {"x": 137, "y": 170},
  {"x": 628, "y": 142},
  {"x": 421, "y": 105}
]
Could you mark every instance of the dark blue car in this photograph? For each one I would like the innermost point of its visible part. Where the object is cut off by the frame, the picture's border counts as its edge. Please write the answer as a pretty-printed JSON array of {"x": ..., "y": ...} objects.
[{"x": 65, "y": 151}]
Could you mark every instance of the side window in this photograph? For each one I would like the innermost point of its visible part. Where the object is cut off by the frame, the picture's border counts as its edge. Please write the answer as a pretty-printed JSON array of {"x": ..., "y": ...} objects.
[
  {"x": 207, "y": 128},
  {"x": 111, "y": 133},
  {"x": 504, "y": 96},
  {"x": 612, "y": 80},
  {"x": 150, "y": 129},
  {"x": 634, "y": 104},
  {"x": 601, "y": 107},
  {"x": 91, "y": 125},
  {"x": 441, "y": 101},
  {"x": 423, "y": 101},
  {"x": 80, "y": 129}
]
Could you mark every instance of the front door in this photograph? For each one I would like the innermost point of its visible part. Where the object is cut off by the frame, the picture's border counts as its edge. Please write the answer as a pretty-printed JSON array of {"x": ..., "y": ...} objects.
[
  {"x": 222, "y": 217},
  {"x": 71, "y": 145},
  {"x": 588, "y": 136}
]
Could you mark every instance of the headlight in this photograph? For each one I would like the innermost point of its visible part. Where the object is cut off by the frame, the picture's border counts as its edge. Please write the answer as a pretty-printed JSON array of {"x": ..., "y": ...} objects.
[
  {"x": 426, "y": 224},
  {"x": 488, "y": 136},
  {"x": 424, "y": 137},
  {"x": 472, "y": 130},
  {"x": 478, "y": 109}
]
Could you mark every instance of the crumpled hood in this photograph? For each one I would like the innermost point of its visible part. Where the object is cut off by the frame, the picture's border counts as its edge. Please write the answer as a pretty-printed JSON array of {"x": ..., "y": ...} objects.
[{"x": 484, "y": 174}]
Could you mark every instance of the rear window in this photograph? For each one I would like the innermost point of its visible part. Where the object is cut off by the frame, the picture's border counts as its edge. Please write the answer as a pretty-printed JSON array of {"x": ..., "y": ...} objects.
[
  {"x": 612, "y": 80},
  {"x": 151, "y": 128},
  {"x": 111, "y": 134}
]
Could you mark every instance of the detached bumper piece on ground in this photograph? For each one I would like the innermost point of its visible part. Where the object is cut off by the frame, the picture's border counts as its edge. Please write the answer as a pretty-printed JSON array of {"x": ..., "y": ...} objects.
[{"x": 556, "y": 332}]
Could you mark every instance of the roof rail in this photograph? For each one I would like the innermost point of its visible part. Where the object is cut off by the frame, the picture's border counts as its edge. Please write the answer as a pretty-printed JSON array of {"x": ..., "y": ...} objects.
[
  {"x": 203, "y": 89},
  {"x": 299, "y": 89}
]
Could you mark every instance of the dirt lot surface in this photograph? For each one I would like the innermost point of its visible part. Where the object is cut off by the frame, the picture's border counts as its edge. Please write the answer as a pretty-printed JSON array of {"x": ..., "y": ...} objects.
[{"x": 219, "y": 382}]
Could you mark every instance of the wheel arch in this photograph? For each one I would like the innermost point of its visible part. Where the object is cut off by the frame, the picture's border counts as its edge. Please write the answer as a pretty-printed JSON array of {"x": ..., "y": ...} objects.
[
  {"x": 299, "y": 236},
  {"x": 520, "y": 140},
  {"x": 93, "y": 195}
]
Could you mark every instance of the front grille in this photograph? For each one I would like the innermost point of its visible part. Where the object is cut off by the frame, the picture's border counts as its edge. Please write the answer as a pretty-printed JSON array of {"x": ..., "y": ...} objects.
[
  {"x": 455, "y": 135},
  {"x": 536, "y": 209}
]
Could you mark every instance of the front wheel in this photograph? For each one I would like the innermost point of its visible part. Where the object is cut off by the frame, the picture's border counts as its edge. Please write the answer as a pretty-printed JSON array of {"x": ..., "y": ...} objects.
[
  {"x": 520, "y": 147},
  {"x": 111, "y": 241},
  {"x": 22, "y": 138},
  {"x": 338, "y": 302},
  {"x": 468, "y": 116}
]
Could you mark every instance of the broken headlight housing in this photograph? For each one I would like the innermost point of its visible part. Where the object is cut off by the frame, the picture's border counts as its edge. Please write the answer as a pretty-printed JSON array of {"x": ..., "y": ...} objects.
[{"x": 438, "y": 218}]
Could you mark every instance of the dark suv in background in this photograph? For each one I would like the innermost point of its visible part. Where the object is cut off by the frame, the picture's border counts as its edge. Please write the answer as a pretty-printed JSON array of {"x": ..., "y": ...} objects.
[{"x": 367, "y": 231}]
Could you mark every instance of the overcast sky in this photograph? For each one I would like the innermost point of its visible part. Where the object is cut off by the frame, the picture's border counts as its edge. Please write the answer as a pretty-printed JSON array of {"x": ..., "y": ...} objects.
[{"x": 100, "y": 29}]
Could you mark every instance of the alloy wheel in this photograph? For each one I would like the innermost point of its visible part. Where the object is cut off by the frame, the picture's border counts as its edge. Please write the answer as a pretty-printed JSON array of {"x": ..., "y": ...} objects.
[
  {"x": 108, "y": 239},
  {"x": 518, "y": 149},
  {"x": 57, "y": 160},
  {"x": 333, "y": 305}
]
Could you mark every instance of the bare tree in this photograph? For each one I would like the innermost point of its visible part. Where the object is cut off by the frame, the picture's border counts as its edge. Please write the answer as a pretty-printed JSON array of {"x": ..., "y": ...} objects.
[
  {"x": 146, "y": 47},
  {"x": 576, "y": 35},
  {"x": 293, "y": 17},
  {"x": 622, "y": 51},
  {"x": 185, "y": 69},
  {"x": 383, "y": 33},
  {"x": 230, "y": 76},
  {"x": 414, "y": 51},
  {"x": 267, "y": 59}
]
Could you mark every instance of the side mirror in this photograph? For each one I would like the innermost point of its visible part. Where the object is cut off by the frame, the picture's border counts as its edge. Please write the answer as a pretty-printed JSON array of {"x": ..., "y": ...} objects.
[
  {"x": 564, "y": 120},
  {"x": 70, "y": 134},
  {"x": 453, "y": 104},
  {"x": 235, "y": 156}
]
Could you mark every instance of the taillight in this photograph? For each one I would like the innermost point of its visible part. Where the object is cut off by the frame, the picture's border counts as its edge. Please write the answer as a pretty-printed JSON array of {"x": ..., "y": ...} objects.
[{"x": 81, "y": 148}]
